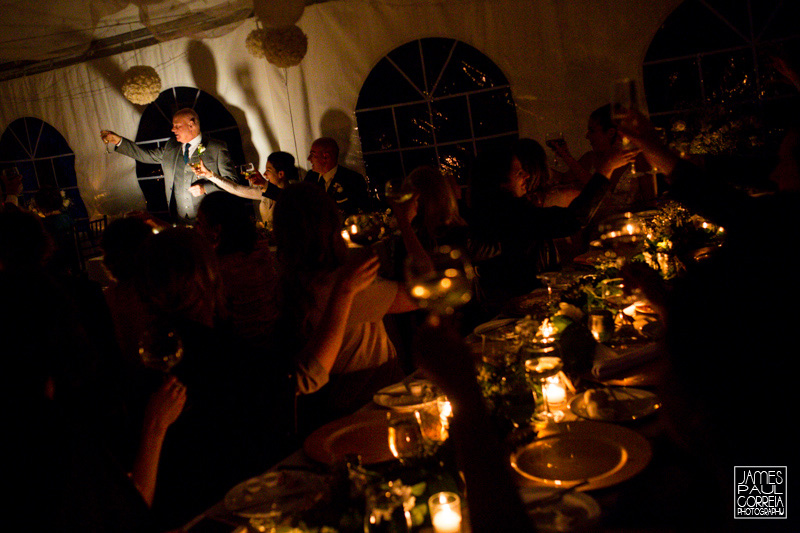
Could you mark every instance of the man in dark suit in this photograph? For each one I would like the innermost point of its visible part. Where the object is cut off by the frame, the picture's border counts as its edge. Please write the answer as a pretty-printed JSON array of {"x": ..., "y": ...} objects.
[
  {"x": 178, "y": 157},
  {"x": 347, "y": 187}
]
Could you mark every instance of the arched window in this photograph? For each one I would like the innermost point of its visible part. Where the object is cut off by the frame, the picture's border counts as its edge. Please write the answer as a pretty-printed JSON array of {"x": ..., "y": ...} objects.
[
  {"x": 155, "y": 128},
  {"x": 709, "y": 77},
  {"x": 432, "y": 101},
  {"x": 43, "y": 158}
]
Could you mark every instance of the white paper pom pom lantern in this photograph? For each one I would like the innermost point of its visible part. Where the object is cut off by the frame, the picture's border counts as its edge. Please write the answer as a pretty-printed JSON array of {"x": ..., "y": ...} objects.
[
  {"x": 141, "y": 85},
  {"x": 283, "y": 47}
]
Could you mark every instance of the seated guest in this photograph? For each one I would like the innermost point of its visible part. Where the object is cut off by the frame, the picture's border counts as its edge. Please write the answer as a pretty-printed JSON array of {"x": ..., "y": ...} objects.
[
  {"x": 120, "y": 243},
  {"x": 229, "y": 385},
  {"x": 62, "y": 448},
  {"x": 501, "y": 213},
  {"x": 247, "y": 266},
  {"x": 434, "y": 210},
  {"x": 310, "y": 250},
  {"x": 279, "y": 172},
  {"x": 726, "y": 331},
  {"x": 603, "y": 136},
  {"x": 347, "y": 187}
]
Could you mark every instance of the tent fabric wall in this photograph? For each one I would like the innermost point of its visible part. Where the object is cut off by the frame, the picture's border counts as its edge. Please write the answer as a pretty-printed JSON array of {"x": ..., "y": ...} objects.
[{"x": 560, "y": 57}]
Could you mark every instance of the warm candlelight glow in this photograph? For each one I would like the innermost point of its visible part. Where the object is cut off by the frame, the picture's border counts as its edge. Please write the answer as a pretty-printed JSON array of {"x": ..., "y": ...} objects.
[
  {"x": 555, "y": 391},
  {"x": 445, "y": 511},
  {"x": 547, "y": 330},
  {"x": 418, "y": 291}
]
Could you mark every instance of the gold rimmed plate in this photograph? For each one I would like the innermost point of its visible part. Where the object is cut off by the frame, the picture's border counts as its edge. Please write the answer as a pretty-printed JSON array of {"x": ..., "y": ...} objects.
[
  {"x": 602, "y": 454},
  {"x": 365, "y": 433}
]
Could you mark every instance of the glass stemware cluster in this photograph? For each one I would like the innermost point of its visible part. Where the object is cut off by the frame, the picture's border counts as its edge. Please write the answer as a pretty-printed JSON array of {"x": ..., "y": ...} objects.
[{"x": 418, "y": 433}]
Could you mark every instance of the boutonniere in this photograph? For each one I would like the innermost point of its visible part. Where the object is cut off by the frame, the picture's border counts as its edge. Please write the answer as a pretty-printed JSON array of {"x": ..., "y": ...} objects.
[
  {"x": 338, "y": 188},
  {"x": 200, "y": 149}
]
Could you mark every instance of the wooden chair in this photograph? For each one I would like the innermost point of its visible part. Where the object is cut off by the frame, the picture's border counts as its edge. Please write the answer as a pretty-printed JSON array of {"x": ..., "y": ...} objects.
[{"x": 87, "y": 239}]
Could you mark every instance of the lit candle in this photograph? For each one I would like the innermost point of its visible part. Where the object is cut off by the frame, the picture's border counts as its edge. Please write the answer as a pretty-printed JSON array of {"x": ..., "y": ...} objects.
[
  {"x": 445, "y": 509},
  {"x": 555, "y": 391}
]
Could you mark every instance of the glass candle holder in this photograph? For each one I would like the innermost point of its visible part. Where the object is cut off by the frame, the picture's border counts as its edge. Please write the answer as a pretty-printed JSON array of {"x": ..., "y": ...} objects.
[{"x": 445, "y": 510}]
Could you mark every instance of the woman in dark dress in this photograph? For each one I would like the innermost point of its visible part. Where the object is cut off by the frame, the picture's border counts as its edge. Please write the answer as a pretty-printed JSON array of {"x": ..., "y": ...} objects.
[{"x": 501, "y": 213}]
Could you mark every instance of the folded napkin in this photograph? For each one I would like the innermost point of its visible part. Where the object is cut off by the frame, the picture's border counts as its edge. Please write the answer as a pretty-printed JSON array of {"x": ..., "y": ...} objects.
[{"x": 608, "y": 363}]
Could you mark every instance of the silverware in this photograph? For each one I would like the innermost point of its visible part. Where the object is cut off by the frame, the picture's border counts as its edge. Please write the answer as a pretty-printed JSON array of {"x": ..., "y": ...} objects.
[{"x": 555, "y": 497}]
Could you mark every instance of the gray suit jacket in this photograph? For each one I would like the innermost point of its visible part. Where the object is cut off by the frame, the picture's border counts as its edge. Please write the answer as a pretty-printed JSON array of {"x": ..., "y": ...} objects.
[{"x": 178, "y": 176}]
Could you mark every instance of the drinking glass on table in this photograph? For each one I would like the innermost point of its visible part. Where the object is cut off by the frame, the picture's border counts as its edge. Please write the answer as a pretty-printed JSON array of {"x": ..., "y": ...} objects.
[
  {"x": 542, "y": 375},
  {"x": 442, "y": 285},
  {"x": 406, "y": 441},
  {"x": 617, "y": 297}
]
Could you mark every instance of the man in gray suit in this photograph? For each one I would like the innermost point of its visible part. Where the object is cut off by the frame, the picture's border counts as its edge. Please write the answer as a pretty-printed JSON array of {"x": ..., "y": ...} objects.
[{"x": 180, "y": 160}]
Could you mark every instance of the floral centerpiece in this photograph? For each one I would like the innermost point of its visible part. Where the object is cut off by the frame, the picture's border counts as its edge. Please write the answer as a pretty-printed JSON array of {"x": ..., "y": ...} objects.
[{"x": 673, "y": 234}]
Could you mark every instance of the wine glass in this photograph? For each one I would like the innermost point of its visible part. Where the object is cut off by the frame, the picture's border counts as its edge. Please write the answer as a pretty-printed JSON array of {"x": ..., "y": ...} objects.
[
  {"x": 398, "y": 191},
  {"x": 555, "y": 139},
  {"x": 364, "y": 229},
  {"x": 617, "y": 296},
  {"x": 247, "y": 169},
  {"x": 624, "y": 98},
  {"x": 406, "y": 441},
  {"x": 623, "y": 232},
  {"x": 553, "y": 281},
  {"x": 160, "y": 347},
  {"x": 444, "y": 283}
]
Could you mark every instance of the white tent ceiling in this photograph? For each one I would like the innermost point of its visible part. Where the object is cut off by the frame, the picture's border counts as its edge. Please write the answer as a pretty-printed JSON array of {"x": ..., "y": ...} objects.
[{"x": 558, "y": 55}]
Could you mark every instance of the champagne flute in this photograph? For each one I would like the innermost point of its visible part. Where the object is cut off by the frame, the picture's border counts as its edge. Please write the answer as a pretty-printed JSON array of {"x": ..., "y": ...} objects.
[
  {"x": 442, "y": 285},
  {"x": 554, "y": 140},
  {"x": 624, "y": 99}
]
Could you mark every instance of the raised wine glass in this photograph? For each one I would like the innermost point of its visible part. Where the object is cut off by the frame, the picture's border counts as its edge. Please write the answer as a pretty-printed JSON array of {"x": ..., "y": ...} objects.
[
  {"x": 398, "y": 191},
  {"x": 443, "y": 284},
  {"x": 160, "y": 347},
  {"x": 554, "y": 140}
]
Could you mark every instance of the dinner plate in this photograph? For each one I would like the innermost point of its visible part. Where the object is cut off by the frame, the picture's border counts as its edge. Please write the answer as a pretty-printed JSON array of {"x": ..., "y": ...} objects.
[
  {"x": 286, "y": 492},
  {"x": 574, "y": 512},
  {"x": 419, "y": 394},
  {"x": 602, "y": 454},
  {"x": 622, "y": 404},
  {"x": 364, "y": 433}
]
